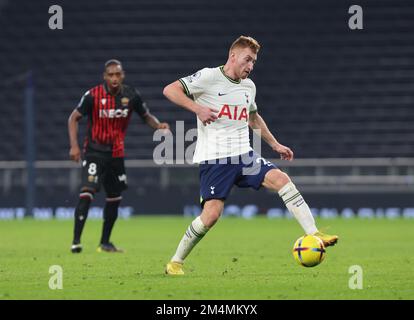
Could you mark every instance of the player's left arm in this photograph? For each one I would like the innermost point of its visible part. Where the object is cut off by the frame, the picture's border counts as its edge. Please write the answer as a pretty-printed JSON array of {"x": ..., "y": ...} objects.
[
  {"x": 256, "y": 122},
  {"x": 141, "y": 108},
  {"x": 154, "y": 123}
]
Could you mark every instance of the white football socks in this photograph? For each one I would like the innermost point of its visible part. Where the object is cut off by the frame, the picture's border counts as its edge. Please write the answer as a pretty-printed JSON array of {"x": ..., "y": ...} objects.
[
  {"x": 298, "y": 207},
  {"x": 195, "y": 232}
]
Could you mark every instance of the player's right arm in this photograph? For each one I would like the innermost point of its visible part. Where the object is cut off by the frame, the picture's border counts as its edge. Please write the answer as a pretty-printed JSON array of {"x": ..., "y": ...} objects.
[
  {"x": 178, "y": 94},
  {"x": 84, "y": 108},
  {"x": 75, "y": 152}
]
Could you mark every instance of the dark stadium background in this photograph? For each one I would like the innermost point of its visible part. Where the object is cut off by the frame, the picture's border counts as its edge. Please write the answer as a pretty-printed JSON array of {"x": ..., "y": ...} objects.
[{"x": 342, "y": 99}]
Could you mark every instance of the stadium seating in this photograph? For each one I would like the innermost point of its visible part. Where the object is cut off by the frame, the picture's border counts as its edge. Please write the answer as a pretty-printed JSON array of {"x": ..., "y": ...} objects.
[{"x": 324, "y": 90}]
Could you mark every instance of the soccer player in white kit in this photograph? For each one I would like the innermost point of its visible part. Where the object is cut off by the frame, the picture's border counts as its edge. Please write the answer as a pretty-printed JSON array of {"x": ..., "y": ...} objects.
[{"x": 223, "y": 98}]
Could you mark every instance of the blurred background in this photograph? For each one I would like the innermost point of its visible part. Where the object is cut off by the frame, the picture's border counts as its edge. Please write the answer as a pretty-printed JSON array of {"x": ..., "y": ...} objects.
[{"x": 342, "y": 99}]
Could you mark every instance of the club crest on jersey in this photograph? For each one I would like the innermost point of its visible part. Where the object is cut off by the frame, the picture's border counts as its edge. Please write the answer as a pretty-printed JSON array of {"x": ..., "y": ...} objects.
[
  {"x": 233, "y": 112},
  {"x": 93, "y": 179},
  {"x": 124, "y": 101},
  {"x": 247, "y": 98},
  {"x": 113, "y": 113},
  {"x": 103, "y": 101}
]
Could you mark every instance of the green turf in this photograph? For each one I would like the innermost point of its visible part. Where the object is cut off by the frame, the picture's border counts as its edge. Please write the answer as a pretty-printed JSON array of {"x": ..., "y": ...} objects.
[{"x": 238, "y": 259}]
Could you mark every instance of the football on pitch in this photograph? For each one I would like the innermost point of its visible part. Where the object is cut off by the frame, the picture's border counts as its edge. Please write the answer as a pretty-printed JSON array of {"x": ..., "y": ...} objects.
[{"x": 309, "y": 251}]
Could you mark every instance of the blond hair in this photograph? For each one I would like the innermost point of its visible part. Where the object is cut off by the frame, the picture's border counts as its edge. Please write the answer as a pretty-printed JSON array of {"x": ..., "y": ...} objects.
[{"x": 245, "y": 42}]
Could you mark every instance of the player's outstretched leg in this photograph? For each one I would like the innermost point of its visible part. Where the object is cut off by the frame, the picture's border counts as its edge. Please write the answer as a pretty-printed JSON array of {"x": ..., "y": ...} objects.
[
  {"x": 280, "y": 182},
  {"x": 110, "y": 214},
  {"x": 195, "y": 232},
  {"x": 81, "y": 214}
]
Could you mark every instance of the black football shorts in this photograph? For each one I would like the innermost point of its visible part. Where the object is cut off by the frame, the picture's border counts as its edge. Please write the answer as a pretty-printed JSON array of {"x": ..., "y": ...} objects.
[{"x": 104, "y": 170}]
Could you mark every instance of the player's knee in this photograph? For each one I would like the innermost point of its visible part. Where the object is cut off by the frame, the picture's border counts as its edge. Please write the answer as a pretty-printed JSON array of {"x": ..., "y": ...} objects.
[
  {"x": 113, "y": 198},
  {"x": 214, "y": 215},
  {"x": 276, "y": 179},
  {"x": 212, "y": 212},
  {"x": 85, "y": 199},
  {"x": 87, "y": 194}
]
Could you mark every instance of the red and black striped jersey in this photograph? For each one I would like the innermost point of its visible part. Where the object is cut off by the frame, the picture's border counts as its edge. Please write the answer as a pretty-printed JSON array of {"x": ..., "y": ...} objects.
[{"x": 108, "y": 117}]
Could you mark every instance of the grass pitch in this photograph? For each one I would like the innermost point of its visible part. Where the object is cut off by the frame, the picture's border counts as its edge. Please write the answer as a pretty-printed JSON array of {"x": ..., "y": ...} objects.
[{"x": 237, "y": 259}]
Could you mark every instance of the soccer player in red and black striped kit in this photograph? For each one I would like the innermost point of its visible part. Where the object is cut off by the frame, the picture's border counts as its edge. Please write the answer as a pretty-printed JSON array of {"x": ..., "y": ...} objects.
[{"x": 109, "y": 107}]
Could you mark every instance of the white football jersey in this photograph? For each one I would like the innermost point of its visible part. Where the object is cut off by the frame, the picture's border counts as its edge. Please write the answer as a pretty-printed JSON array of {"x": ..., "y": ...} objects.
[{"x": 234, "y": 100}]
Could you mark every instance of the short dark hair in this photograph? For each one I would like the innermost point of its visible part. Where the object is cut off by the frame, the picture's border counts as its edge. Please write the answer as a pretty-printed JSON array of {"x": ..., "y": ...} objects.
[{"x": 112, "y": 62}]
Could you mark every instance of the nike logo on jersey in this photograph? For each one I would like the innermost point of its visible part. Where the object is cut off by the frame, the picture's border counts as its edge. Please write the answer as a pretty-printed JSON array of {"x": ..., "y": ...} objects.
[{"x": 222, "y": 94}]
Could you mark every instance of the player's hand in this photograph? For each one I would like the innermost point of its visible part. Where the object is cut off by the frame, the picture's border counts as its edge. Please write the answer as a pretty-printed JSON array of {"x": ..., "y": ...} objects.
[
  {"x": 75, "y": 153},
  {"x": 285, "y": 152},
  {"x": 163, "y": 125},
  {"x": 207, "y": 115}
]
